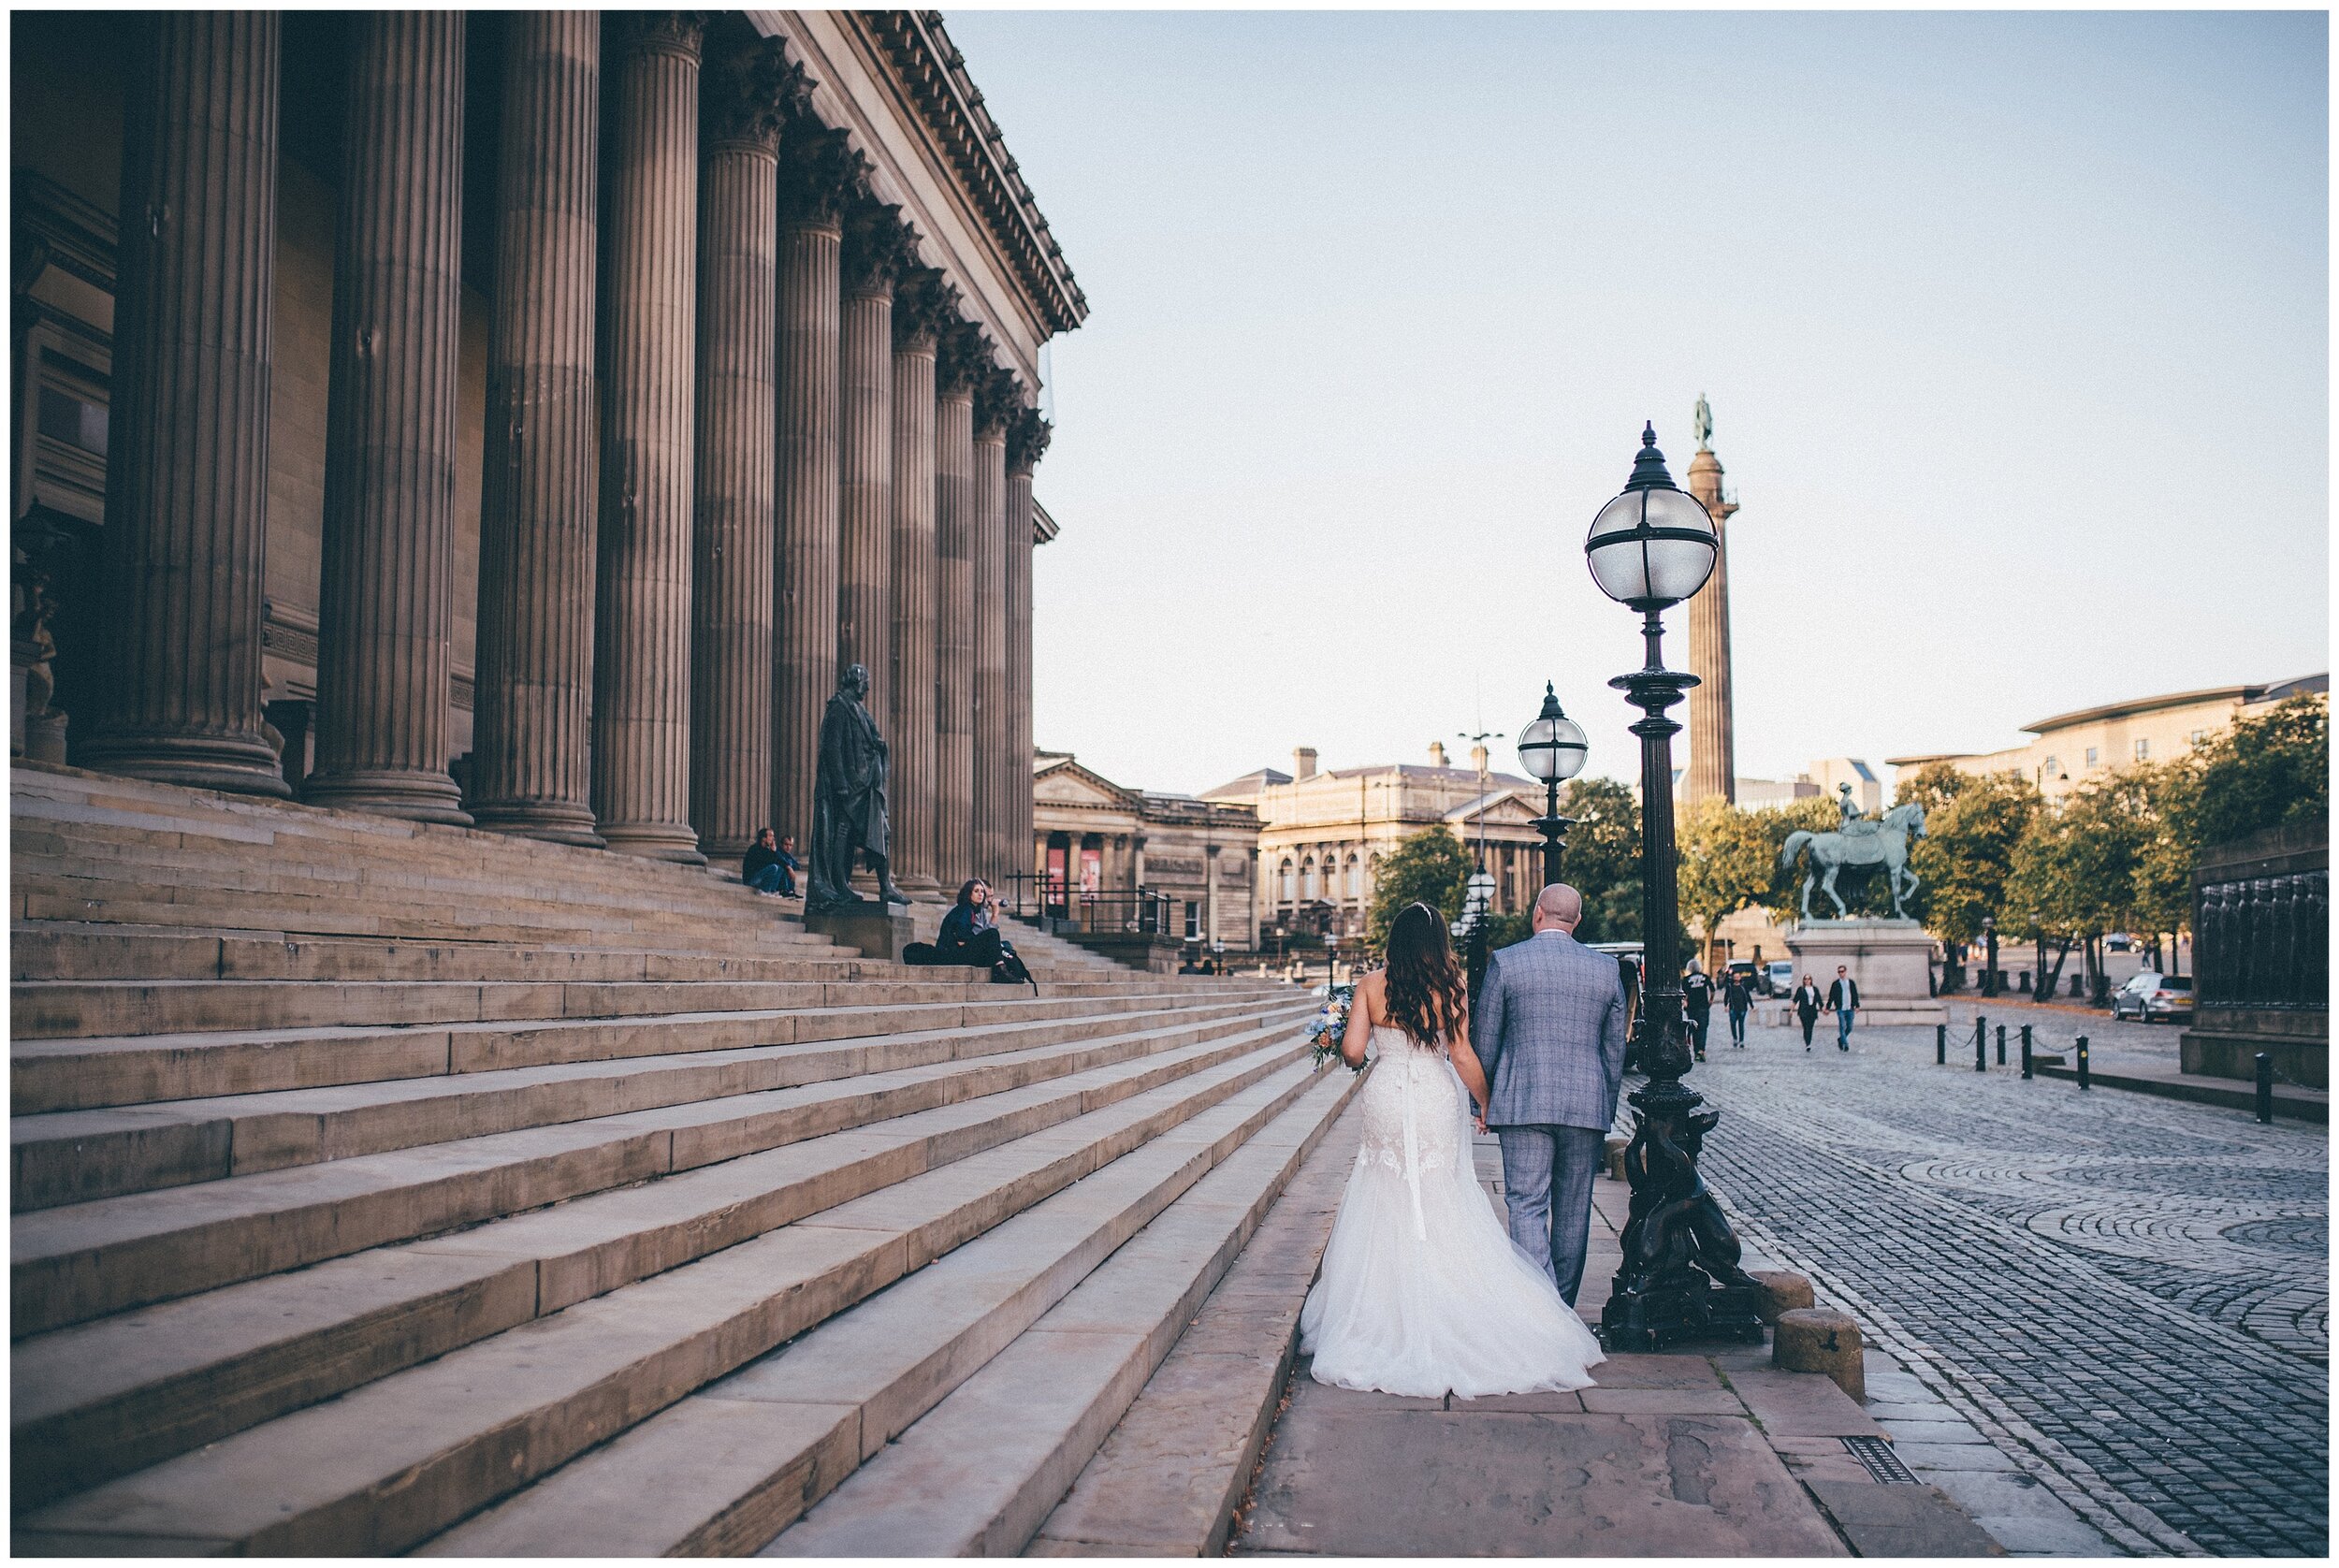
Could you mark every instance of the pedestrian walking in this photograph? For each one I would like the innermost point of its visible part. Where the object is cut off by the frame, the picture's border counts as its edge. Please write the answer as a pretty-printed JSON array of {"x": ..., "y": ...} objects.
[
  {"x": 1697, "y": 997},
  {"x": 1844, "y": 1000},
  {"x": 1736, "y": 998},
  {"x": 1807, "y": 1000}
]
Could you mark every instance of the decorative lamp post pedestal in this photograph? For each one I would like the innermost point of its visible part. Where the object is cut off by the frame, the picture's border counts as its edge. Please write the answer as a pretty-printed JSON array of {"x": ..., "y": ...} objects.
[{"x": 1650, "y": 548}]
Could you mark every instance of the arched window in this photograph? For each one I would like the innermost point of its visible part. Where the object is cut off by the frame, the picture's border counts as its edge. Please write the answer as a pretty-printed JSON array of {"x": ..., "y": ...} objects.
[
  {"x": 1356, "y": 879},
  {"x": 1307, "y": 878},
  {"x": 1291, "y": 890}
]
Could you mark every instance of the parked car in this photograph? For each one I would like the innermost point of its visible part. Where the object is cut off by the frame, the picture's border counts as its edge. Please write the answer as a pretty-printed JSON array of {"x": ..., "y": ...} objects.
[
  {"x": 2153, "y": 996},
  {"x": 1778, "y": 977}
]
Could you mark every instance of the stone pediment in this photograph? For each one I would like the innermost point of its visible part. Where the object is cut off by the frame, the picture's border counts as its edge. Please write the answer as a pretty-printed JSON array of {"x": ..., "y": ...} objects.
[
  {"x": 1505, "y": 809},
  {"x": 1067, "y": 783}
]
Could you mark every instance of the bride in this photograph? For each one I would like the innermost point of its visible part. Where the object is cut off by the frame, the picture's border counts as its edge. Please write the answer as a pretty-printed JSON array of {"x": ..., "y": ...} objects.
[{"x": 1422, "y": 1291}]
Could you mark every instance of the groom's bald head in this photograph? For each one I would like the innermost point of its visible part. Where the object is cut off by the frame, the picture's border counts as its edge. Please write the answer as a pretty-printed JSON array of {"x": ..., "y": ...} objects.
[{"x": 1557, "y": 907}]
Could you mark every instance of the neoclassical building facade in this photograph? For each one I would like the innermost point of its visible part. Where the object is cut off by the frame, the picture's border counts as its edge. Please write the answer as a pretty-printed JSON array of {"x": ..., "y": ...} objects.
[
  {"x": 1323, "y": 834},
  {"x": 521, "y": 418},
  {"x": 1092, "y": 836}
]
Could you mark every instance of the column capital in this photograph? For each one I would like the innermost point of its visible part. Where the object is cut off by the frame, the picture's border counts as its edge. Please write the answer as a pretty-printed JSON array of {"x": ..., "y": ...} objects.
[
  {"x": 880, "y": 248},
  {"x": 820, "y": 175},
  {"x": 961, "y": 358},
  {"x": 748, "y": 93},
  {"x": 1027, "y": 438},
  {"x": 681, "y": 33},
  {"x": 998, "y": 398},
  {"x": 925, "y": 307}
]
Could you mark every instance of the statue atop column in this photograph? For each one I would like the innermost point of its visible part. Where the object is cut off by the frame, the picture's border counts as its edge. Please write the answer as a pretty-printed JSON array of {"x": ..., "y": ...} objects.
[
  {"x": 1703, "y": 423},
  {"x": 848, "y": 801}
]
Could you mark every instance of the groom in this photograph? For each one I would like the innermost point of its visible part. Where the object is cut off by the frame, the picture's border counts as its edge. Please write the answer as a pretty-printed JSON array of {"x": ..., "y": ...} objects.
[{"x": 1549, "y": 1031}]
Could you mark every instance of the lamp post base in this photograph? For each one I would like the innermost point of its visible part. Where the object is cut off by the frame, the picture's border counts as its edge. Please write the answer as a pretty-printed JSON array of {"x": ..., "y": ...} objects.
[{"x": 1680, "y": 1278}]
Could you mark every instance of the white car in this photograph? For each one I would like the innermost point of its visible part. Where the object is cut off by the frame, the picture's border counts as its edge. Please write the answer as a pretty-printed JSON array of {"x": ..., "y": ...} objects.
[{"x": 2153, "y": 996}]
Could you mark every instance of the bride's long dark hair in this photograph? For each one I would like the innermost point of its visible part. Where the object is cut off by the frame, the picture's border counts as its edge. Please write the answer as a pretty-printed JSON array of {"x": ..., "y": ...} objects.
[{"x": 1426, "y": 996}]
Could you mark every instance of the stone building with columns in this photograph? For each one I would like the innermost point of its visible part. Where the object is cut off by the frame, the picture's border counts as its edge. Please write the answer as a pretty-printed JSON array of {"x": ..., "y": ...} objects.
[
  {"x": 1323, "y": 834},
  {"x": 520, "y": 418},
  {"x": 1092, "y": 835}
]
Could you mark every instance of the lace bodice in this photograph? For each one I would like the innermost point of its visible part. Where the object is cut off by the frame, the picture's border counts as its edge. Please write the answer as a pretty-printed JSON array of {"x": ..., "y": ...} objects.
[{"x": 1415, "y": 1118}]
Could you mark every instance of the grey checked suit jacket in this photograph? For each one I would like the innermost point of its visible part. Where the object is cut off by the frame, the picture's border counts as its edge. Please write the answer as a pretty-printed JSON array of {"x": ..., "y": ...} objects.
[{"x": 1549, "y": 1032}]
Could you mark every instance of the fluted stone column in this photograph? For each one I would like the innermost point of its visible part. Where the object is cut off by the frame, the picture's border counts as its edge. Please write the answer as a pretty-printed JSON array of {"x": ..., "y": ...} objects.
[
  {"x": 816, "y": 175},
  {"x": 921, "y": 305},
  {"x": 1026, "y": 441},
  {"x": 961, "y": 361},
  {"x": 874, "y": 257},
  {"x": 731, "y": 689},
  {"x": 385, "y": 617},
  {"x": 649, "y": 317},
  {"x": 1712, "y": 771},
  {"x": 186, "y": 503},
  {"x": 531, "y": 744},
  {"x": 996, "y": 404}
]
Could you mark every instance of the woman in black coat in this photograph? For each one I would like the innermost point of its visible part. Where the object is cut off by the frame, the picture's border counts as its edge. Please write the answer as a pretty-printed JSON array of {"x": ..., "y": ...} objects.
[
  {"x": 1807, "y": 1008},
  {"x": 970, "y": 935}
]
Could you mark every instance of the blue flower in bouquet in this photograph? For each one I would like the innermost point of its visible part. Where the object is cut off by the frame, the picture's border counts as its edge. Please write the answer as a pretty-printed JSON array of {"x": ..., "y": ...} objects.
[{"x": 1327, "y": 1029}]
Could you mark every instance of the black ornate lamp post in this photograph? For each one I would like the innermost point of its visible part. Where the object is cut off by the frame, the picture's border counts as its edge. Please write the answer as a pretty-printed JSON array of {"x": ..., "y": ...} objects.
[
  {"x": 1552, "y": 750},
  {"x": 1649, "y": 549}
]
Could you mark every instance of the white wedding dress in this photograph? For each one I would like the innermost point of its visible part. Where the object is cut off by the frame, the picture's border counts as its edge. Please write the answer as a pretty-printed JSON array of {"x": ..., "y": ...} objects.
[{"x": 1422, "y": 1291}]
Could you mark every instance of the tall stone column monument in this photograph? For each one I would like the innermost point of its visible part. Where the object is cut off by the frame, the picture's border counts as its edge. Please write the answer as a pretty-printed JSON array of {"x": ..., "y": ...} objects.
[{"x": 1713, "y": 746}]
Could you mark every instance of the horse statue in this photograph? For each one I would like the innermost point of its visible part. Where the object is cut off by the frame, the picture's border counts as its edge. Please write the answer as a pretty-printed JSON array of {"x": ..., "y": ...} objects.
[{"x": 1861, "y": 841}]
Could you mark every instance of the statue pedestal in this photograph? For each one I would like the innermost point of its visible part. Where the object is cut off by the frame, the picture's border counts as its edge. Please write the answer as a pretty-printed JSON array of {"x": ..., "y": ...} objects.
[
  {"x": 872, "y": 929},
  {"x": 1890, "y": 959}
]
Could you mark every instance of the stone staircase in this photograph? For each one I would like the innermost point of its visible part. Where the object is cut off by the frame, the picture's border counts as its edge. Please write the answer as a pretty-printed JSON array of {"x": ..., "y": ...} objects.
[{"x": 382, "y": 1186}]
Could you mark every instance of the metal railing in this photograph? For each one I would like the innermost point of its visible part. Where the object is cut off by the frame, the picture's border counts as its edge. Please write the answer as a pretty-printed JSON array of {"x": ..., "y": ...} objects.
[{"x": 1133, "y": 911}]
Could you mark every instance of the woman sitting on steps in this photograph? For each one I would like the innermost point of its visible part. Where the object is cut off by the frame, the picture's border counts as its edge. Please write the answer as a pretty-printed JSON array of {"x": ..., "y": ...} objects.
[{"x": 970, "y": 935}]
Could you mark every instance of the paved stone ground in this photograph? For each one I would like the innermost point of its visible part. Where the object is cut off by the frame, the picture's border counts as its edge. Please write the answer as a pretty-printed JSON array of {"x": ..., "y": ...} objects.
[{"x": 2127, "y": 1295}]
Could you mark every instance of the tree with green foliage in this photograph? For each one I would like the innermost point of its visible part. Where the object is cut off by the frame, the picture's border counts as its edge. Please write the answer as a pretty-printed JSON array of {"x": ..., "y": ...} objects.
[
  {"x": 1972, "y": 826},
  {"x": 1429, "y": 869},
  {"x": 2074, "y": 874},
  {"x": 2264, "y": 770},
  {"x": 1603, "y": 861}
]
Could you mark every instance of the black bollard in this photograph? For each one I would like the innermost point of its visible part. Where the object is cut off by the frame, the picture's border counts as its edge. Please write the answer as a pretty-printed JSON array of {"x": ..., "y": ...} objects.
[
  {"x": 1941, "y": 1045},
  {"x": 1981, "y": 1045},
  {"x": 2080, "y": 1051},
  {"x": 2266, "y": 1088},
  {"x": 2026, "y": 1050},
  {"x": 2001, "y": 1045}
]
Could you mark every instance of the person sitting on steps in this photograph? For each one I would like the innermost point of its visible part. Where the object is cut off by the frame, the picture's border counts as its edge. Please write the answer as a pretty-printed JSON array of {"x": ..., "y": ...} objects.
[
  {"x": 970, "y": 935},
  {"x": 768, "y": 866}
]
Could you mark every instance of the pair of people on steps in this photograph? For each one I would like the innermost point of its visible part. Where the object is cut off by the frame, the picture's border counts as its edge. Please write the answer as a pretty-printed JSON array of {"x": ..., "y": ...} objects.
[{"x": 770, "y": 864}]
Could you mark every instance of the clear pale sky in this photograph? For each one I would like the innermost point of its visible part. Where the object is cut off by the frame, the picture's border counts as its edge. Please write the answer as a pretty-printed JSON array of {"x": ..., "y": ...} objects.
[{"x": 2014, "y": 328}]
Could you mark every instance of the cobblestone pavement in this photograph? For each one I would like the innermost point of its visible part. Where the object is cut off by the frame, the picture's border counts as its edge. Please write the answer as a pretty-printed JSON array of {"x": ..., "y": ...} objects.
[{"x": 2127, "y": 1294}]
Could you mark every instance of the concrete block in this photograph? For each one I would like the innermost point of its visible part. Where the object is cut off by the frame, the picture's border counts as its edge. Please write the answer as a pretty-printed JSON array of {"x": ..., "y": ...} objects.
[
  {"x": 1781, "y": 1292},
  {"x": 1819, "y": 1339}
]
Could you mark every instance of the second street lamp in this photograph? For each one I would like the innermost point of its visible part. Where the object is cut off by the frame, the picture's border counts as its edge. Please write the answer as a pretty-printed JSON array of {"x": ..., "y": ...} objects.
[
  {"x": 1552, "y": 748},
  {"x": 1650, "y": 548}
]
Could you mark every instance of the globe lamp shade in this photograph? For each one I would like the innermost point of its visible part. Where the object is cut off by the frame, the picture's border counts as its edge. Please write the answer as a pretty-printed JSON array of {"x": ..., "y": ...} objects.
[
  {"x": 1552, "y": 748},
  {"x": 1652, "y": 546}
]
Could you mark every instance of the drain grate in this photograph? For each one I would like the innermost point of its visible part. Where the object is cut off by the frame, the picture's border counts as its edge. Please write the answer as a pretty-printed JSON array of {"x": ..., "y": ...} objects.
[{"x": 1877, "y": 1456}]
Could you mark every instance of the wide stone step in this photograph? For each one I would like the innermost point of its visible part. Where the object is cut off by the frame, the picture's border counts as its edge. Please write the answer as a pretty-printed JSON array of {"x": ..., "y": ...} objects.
[
  {"x": 725, "y": 1470},
  {"x": 87, "y": 1259},
  {"x": 60, "y": 951},
  {"x": 97, "y": 1400},
  {"x": 402, "y": 1458},
  {"x": 978, "y": 1474},
  {"x": 76, "y": 1157},
  {"x": 97, "y": 1071}
]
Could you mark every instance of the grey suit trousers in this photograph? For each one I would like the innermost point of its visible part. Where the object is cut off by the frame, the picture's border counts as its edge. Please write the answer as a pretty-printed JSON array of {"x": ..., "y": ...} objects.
[{"x": 1546, "y": 1185}]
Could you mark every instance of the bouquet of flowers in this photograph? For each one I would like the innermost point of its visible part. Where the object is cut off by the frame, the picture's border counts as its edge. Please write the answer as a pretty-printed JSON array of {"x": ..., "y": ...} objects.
[{"x": 1331, "y": 1025}]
